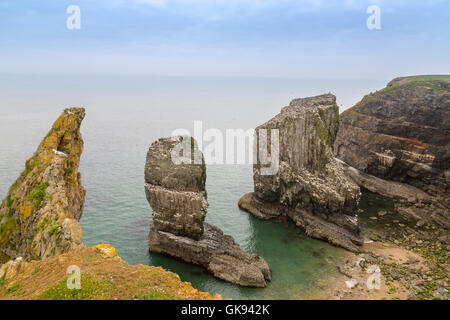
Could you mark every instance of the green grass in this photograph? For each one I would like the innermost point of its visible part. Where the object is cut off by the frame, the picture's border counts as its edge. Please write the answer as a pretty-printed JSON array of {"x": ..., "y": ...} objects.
[
  {"x": 91, "y": 289},
  {"x": 154, "y": 294},
  {"x": 30, "y": 165},
  {"x": 9, "y": 201},
  {"x": 431, "y": 77},
  {"x": 9, "y": 225},
  {"x": 54, "y": 229},
  {"x": 12, "y": 289},
  {"x": 429, "y": 81},
  {"x": 13, "y": 188},
  {"x": 38, "y": 195},
  {"x": 44, "y": 224}
]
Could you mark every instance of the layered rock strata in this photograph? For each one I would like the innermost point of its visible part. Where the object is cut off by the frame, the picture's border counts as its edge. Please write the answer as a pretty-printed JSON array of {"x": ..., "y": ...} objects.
[
  {"x": 39, "y": 217},
  {"x": 310, "y": 186},
  {"x": 402, "y": 134},
  {"x": 176, "y": 192}
]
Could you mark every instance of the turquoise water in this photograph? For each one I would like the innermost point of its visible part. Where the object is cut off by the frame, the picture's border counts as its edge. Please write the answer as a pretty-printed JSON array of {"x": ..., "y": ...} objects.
[
  {"x": 300, "y": 265},
  {"x": 124, "y": 116}
]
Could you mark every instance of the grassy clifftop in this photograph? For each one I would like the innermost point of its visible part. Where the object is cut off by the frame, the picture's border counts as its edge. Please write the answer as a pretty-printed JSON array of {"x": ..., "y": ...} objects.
[
  {"x": 424, "y": 79},
  {"x": 440, "y": 83},
  {"x": 104, "y": 276}
]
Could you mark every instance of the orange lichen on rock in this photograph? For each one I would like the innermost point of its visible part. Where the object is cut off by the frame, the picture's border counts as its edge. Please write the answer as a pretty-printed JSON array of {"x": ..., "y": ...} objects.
[
  {"x": 26, "y": 210},
  {"x": 106, "y": 249},
  {"x": 47, "y": 193}
]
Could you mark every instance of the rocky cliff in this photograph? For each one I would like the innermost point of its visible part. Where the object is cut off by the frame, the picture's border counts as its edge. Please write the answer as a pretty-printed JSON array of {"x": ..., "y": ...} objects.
[
  {"x": 310, "y": 186},
  {"x": 402, "y": 133},
  {"x": 177, "y": 195},
  {"x": 39, "y": 217}
]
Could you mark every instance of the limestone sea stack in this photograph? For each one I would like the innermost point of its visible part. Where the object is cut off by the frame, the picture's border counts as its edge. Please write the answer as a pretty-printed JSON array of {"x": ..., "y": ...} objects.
[
  {"x": 176, "y": 192},
  {"x": 401, "y": 134},
  {"x": 39, "y": 217},
  {"x": 310, "y": 186}
]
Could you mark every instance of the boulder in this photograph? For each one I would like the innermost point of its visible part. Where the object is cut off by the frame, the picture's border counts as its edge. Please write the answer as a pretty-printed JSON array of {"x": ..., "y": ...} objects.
[{"x": 310, "y": 186}]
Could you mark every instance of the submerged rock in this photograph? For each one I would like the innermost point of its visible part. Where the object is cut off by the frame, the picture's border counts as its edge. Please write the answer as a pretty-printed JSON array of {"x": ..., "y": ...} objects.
[
  {"x": 310, "y": 185},
  {"x": 176, "y": 193},
  {"x": 39, "y": 217},
  {"x": 401, "y": 134}
]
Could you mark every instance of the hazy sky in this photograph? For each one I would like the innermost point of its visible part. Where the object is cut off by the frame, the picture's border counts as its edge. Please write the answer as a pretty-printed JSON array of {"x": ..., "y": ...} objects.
[{"x": 275, "y": 38}]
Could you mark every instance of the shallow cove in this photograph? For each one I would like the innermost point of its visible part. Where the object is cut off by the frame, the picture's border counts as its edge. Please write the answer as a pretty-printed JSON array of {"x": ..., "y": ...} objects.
[{"x": 301, "y": 266}]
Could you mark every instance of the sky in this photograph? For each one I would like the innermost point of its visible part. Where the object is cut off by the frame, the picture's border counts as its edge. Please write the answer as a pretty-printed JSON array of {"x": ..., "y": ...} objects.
[{"x": 252, "y": 38}]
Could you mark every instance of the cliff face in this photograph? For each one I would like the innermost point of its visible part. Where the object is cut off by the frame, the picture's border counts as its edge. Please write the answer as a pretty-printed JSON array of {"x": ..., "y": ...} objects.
[
  {"x": 176, "y": 193},
  {"x": 401, "y": 133},
  {"x": 39, "y": 217},
  {"x": 310, "y": 186}
]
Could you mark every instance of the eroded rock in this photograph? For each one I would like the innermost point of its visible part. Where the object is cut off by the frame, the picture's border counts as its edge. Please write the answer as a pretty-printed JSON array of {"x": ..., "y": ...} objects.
[
  {"x": 310, "y": 186},
  {"x": 401, "y": 134},
  {"x": 177, "y": 195},
  {"x": 39, "y": 217},
  {"x": 176, "y": 192}
]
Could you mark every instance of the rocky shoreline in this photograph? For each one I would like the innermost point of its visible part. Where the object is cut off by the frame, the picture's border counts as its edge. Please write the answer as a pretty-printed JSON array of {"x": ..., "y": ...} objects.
[
  {"x": 395, "y": 143},
  {"x": 413, "y": 258}
]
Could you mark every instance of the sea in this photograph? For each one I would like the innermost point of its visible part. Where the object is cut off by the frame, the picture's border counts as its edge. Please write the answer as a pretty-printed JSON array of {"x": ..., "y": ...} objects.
[{"x": 124, "y": 115}]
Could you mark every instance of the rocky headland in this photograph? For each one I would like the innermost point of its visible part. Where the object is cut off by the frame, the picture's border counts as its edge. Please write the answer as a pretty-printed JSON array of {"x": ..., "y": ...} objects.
[
  {"x": 397, "y": 139},
  {"x": 177, "y": 195},
  {"x": 395, "y": 144},
  {"x": 310, "y": 186}
]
